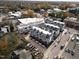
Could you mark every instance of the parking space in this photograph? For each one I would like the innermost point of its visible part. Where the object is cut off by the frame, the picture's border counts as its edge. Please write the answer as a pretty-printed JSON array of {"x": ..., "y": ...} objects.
[
  {"x": 58, "y": 50},
  {"x": 35, "y": 51},
  {"x": 71, "y": 51},
  {"x": 35, "y": 43}
]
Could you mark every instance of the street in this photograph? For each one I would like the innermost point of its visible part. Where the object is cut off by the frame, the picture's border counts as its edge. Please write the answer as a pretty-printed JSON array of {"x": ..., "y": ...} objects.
[
  {"x": 76, "y": 49},
  {"x": 53, "y": 51}
]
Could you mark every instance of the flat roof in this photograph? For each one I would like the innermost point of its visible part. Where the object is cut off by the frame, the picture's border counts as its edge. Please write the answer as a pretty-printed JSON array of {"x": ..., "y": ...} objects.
[
  {"x": 51, "y": 25},
  {"x": 57, "y": 9},
  {"x": 21, "y": 26},
  {"x": 30, "y": 20},
  {"x": 41, "y": 30},
  {"x": 18, "y": 13},
  {"x": 59, "y": 22}
]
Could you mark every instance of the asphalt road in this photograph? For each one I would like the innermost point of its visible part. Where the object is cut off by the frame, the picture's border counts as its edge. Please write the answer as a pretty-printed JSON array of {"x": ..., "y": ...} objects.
[
  {"x": 70, "y": 46},
  {"x": 68, "y": 55},
  {"x": 53, "y": 51}
]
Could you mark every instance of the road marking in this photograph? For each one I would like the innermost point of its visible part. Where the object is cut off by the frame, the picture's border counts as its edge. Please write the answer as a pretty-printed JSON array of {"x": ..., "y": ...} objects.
[
  {"x": 46, "y": 54},
  {"x": 61, "y": 52},
  {"x": 65, "y": 30}
]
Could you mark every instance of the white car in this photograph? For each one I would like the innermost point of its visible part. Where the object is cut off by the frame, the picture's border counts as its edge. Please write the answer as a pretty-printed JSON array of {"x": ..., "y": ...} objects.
[{"x": 72, "y": 39}]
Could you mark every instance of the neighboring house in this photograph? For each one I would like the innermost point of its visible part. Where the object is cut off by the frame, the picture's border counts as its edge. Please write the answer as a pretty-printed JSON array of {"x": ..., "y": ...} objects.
[
  {"x": 49, "y": 11},
  {"x": 22, "y": 28},
  {"x": 73, "y": 10},
  {"x": 5, "y": 29},
  {"x": 17, "y": 14},
  {"x": 26, "y": 23},
  {"x": 72, "y": 22},
  {"x": 57, "y": 10}
]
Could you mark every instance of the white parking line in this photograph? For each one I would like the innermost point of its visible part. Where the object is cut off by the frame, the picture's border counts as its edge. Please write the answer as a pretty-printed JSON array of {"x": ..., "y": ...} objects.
[{"x": 61, "y": 52}]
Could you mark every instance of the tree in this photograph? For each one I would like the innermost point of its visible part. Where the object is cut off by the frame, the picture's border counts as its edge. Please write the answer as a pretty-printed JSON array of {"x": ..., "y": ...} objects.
[
  {"x": 66, "y": 14},
  {"x": 45, "y": 14},
  {"x": 39, "y": 6},
  {"x": 28, "y": 13},
  {"x": 4, "y": 43},
  {"x": 43, "y": 6}
]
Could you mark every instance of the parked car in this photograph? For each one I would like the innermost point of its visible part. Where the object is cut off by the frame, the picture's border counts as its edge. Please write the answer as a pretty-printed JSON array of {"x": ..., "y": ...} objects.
[
  {"x": 56, "y": 57},
  {"x": 30, "y": 45},
  {"x": 36, "y": 49},
  {"x": 72, "y": 52},
  {"x": 62, "y": 46},
  {"x": 72, "y": 39},
  {"x": 67, "y": 50}
]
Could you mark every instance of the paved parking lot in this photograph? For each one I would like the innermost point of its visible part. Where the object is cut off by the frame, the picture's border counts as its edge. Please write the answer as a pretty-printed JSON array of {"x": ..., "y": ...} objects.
[
  {"x": 71, "y": 47},
  {"x": 35, "y": 43}
]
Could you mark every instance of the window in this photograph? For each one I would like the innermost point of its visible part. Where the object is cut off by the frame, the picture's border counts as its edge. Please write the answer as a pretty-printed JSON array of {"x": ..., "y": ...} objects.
[{"x": 47, "y": 36}]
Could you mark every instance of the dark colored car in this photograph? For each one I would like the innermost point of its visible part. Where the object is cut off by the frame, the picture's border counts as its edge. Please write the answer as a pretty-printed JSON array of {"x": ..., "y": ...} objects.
[
  {"x": 72, "y": 52},
  {"x": 62, "y": 46},
  {"x": 67, "y": 50}
]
